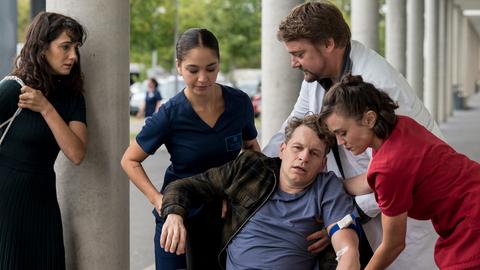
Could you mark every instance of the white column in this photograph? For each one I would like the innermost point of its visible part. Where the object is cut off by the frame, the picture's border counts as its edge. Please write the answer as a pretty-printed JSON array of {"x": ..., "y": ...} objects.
[
  {"x": 8, "y": 42},
  {"x": 458, "y": 64},
  {"x": 456, "y": 44},
  {"x": 415, "y": 29},
  {"x": 280, "y": 83},
  {"x": 364, "y": 17},
  {"x": 396, "y": 34},
  {"x": 470, "y": 57},
  {"x": 449, "y": 56},
  {"x": 442, "y": 60},
  {"x": 94, "y": 197},
  {"x": 431, "y": 57}
]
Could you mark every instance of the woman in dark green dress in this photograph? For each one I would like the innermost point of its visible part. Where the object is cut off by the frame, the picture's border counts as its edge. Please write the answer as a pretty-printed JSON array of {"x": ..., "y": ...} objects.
[{"x": 52, "y": 119}]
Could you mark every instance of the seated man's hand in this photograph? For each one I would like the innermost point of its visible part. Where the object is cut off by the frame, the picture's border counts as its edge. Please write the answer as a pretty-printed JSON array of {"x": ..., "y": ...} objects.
[
  {"x": 174, "y": 235},
  {"x": 321, "y": 241},
  {"x": 224, "y": 208}
]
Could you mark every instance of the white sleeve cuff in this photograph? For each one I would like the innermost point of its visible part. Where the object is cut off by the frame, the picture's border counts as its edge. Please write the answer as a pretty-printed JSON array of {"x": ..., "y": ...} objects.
[{"x": 368, "y": 204}]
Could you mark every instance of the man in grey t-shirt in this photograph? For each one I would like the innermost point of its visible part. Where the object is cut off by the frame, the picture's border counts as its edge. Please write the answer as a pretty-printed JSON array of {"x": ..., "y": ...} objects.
[
  {"x": 275, "y": 236},
  {"x": 274, "y": 204}
]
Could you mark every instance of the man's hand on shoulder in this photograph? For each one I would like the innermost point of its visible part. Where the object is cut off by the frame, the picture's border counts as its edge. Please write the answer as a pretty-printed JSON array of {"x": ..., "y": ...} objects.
[
  {"x": 174, "y": 235},
  {"x": 321, "y": 240}
]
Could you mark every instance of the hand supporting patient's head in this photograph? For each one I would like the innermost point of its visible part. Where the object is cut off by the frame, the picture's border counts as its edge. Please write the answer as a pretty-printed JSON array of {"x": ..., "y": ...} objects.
[{"x": 303, "y": 154}]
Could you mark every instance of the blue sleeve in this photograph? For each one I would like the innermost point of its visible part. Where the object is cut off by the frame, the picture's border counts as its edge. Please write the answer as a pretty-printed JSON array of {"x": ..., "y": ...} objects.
[
  {"x": 335, "y": 203},
  {"x": 158, "y": 95},
  {"x": 9, "y": 92},
  {"x": 249, "y": 132},
  {"x": 155, "y": 130}
]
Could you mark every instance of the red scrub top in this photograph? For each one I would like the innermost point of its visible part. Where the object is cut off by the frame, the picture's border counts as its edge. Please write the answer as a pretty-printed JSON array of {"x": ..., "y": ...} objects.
[{"x": 416, "y": 172}]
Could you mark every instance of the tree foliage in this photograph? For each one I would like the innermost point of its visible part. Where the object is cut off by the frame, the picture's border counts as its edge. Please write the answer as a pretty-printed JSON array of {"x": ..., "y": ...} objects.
[
  {"x": 152, "y": 28},
  {"x": 23, "y": 7},
  {"x": 236, "y": 23}
]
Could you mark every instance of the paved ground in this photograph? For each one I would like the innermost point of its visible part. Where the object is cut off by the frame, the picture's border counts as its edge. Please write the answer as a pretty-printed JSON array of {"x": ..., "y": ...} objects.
[
  {"x": 142, "y": 223},
  {"x": 462, "y": 131}
]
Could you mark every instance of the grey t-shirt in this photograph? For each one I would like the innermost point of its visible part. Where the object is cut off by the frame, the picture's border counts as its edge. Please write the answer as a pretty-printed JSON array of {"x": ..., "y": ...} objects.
[{"x": 275, "y": 237}]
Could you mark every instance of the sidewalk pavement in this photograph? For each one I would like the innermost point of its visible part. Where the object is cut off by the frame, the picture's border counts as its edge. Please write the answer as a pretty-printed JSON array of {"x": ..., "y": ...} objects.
[{"x": 462, "y": 130}]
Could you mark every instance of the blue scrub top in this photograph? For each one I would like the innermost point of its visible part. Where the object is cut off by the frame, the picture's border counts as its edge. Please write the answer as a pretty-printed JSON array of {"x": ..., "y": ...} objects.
[{"x": 193, "y": 145}]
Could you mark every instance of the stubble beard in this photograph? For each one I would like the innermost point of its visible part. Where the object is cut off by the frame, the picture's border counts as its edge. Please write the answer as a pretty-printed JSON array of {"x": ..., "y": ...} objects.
[{"x": 309, "y": 76}]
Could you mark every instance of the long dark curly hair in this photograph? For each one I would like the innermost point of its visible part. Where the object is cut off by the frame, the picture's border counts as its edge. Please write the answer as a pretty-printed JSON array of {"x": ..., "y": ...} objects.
[{"x": 31, "y": 64}]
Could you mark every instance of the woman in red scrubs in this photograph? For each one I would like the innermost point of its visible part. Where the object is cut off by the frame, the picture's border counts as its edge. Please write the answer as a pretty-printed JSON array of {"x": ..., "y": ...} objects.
[{"x": 413, "y": 173}]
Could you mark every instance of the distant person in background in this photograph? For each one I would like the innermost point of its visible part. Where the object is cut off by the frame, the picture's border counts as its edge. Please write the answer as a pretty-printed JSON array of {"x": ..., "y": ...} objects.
[
  {"x": 153, "y": 99},
  {"x": 203, "y": 126}
]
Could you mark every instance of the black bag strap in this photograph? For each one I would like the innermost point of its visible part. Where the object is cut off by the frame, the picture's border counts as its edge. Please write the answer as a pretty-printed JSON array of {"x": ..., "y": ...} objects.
[
  {"x": 363, "y": 218},
  {"x": 364, "y": 247},
  {"x": 336, "y": 154}
]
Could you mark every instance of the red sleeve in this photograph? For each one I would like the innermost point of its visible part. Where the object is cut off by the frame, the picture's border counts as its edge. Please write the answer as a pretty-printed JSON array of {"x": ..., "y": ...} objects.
[{"x": 393, "y": 189}]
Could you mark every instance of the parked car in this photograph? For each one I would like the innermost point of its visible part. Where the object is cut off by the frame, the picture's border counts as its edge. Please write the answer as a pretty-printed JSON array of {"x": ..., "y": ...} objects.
[
  {"x": 167, "y": 87},
  {"x": 137, "y": 96},
  {"x": 138, "y": 91}
]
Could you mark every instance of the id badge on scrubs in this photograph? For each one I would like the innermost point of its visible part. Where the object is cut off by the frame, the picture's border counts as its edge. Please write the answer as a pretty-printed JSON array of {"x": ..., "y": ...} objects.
[{"x": 234, "y": 142}]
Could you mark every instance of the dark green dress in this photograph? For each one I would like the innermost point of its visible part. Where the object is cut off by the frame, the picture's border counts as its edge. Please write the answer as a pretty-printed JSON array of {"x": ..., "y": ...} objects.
[{"x": 30, "y": 223}]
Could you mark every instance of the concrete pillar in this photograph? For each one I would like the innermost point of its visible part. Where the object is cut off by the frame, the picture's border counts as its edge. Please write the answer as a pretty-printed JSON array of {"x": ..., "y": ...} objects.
[
  {"x": 280, "y": 83},
  {"x": 94, "y": 197},
  {"x": 469, "y": 51},
  {"x": 396, "y": 34},
  {"x": 442, "y": 60},
  {"x": 36, "y": 6},
  {"x": 449, "y": 56},
  {"x": 431, "y": 57},
  {"x": 415, "y": 29},
  {"x": 456, "y": 44},
  {"x": 365, "y": 28},
  {"x": 8, "y": 42}
]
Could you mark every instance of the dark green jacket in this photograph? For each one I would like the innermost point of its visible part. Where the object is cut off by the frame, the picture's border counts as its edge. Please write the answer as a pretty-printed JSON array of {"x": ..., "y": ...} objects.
[{"x": 246, "y": 183}]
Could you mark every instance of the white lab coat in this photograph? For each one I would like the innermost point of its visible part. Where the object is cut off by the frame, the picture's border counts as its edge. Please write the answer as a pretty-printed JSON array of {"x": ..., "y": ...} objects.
[{"x": 421, "y": 236}]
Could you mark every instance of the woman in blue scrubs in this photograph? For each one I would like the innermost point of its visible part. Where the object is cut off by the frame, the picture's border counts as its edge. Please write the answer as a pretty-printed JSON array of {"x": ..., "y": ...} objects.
[{"x": 204, "y": 126}]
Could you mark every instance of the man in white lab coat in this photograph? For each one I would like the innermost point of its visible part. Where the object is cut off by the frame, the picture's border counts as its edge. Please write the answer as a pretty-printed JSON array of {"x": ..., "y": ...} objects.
[{"x": 319, "y": 42}]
